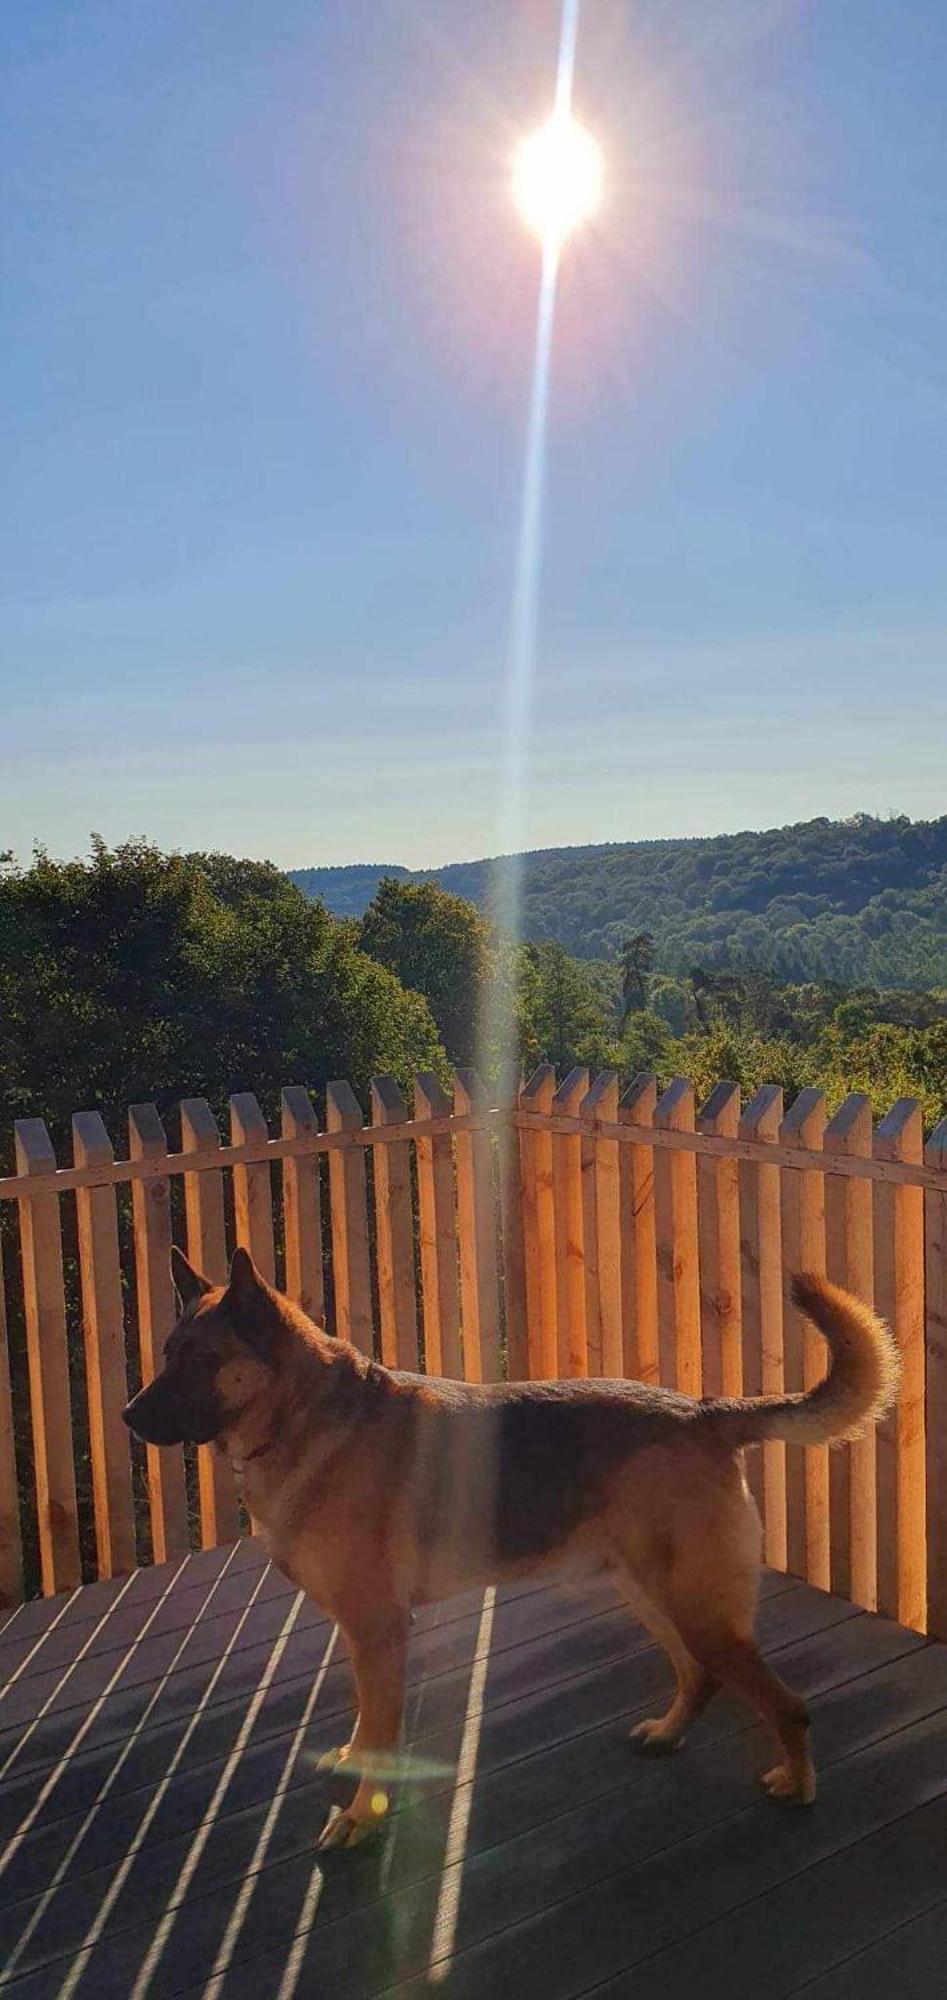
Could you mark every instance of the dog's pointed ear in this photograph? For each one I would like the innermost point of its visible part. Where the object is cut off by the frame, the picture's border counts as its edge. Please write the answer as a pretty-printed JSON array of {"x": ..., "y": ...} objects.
[
  {"x": 245, "y": 1283},
  {"x": 252, "y": 1306},
  {"x": 188, "y": 1283}
]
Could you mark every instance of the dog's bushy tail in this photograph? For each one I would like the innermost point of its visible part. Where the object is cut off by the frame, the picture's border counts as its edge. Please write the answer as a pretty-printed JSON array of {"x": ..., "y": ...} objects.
[{"x": 859, "y": 1387}]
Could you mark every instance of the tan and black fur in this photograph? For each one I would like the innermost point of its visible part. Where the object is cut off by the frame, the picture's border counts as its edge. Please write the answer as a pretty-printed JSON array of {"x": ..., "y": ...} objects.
[{"x": 378, "y": 1491}]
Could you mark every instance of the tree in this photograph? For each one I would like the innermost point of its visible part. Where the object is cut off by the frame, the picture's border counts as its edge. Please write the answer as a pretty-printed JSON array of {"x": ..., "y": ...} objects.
[
  {"x": 646, "y": 1044},
  {"x": 571, "y": 1017},
  {"x": 437, "y": 945},
  {"x": 140, "y": 975},
  {"x": 673, "y": 1001},
  {"x": 636, "y": 957}
]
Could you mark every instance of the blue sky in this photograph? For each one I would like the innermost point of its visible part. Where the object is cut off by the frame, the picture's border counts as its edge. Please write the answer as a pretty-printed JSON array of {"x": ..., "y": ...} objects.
[{"x": 268, "y": 327}]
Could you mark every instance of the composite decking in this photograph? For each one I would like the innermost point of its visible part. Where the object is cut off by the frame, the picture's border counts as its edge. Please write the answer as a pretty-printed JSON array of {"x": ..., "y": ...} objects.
[{"x": 158, "y": 1803}]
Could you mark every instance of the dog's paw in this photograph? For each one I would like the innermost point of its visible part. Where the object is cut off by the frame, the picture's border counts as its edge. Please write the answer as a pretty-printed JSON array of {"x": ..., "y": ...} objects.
[
  {"x": 331, "y": 1759},
  {"x": 343, "y": 1830},
  {"x": 788, "y": 1788},
  {"x": 653, "y": 1738}
]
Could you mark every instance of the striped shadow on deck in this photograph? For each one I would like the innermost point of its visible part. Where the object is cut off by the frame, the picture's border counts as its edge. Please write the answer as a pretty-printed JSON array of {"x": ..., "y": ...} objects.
[{"x": 160, "y": 1802}]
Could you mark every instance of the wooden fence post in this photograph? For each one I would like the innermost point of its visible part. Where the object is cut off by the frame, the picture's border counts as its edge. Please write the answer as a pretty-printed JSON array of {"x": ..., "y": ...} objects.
[
  {"x": 639, "y": 1257},
  {"x": 253, "y": 1194},
  {"x": 718, "y": 1204},
  {"x": 103, "y": 1332},
  {"x": 539, "y": 1226},
  {"x": 511, "y": 1226},
  {"x": 437, "y": 1235},
  {"x": 593, "y": 1301},
  {"x": 849, "y": 1261},
  {"x": 678, "y": 1265},
  {"x": 899, "y": 1296},
  {"x": 207, "y": 1249},
  {"x": 394, "y": 1227},
  {"x": 807, "y": 1467},
  {"x": 151, "y": 1226},
  {"x": 348, "y": 1210},
  {"x": 302, "y": 1207},
  {"x": 572, "y": 1352},
  {"x": 935, "y": 1204},
  {"x": 601, "y": 1195},
  {"x": 11, "y": 1541},
  {"x": 252, "y": 1187},
  {"x": 476, "y": 1227},
  {"x": 762, "y": 1293},
  {"x": 44, "y": 1303}
]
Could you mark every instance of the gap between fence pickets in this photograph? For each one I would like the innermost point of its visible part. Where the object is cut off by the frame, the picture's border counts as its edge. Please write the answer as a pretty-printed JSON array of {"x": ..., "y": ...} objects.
[{"x": 27, "y": 1187}]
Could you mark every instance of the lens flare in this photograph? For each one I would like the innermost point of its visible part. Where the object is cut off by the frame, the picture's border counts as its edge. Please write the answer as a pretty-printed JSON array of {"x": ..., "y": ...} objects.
[
  {"x": 552, "y": 198},
  {"x": 558, "y": 177}
]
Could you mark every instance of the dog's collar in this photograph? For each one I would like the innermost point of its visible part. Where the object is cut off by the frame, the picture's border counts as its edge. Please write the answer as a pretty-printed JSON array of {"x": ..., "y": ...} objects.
[{"x": 239, "y": 1465}]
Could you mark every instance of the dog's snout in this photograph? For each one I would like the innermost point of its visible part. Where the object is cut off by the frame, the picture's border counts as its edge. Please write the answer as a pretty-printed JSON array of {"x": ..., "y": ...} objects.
[{"x": 152, "y": 1418}]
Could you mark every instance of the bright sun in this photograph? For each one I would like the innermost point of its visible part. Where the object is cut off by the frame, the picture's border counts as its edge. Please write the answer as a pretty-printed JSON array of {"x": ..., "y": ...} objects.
[{"x": 558, "y": 173}]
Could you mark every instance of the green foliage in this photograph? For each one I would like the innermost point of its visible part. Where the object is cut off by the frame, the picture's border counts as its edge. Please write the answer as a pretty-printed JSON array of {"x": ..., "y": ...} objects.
[
  {"x": 673, "y": 1002},
  {"x": 854, "y": 902},
  {"x": 886, "y": 1062},
  {"x": 569, "y": 1018},
  {"x": 646, "y": 1044},
  {"x": 138, "y": 975},
  {"x": 636, "y": 957},
  {"x": 744, "y": 1027},
  {"x": 439, "y": 946},
  {"x": 747, "y": 1059}
]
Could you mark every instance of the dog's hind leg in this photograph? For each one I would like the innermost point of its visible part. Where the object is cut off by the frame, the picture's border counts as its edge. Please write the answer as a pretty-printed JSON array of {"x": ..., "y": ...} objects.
[
  {"x": 688, "y": 1533},
  {"x": 711, "y": 1601},
  {"x": 734, "y": 1657},
  {"x": 695, "y": 1685}
]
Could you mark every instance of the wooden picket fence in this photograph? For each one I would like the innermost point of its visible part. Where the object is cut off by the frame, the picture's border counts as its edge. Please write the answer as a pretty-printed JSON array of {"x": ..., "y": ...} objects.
[{"x": 564, "y": 1230}]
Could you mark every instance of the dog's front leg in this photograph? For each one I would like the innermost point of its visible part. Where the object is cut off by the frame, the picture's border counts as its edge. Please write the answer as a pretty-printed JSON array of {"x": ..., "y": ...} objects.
[{"x": 376, "y": 1642}]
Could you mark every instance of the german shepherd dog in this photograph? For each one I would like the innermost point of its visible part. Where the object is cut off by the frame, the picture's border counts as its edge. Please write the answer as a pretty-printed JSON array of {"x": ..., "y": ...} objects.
[{"x": 376, "y": 1491}]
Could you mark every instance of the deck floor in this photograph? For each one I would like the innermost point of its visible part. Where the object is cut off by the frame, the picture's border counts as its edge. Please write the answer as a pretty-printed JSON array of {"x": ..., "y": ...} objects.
[{"x": 159, "y": 1800}]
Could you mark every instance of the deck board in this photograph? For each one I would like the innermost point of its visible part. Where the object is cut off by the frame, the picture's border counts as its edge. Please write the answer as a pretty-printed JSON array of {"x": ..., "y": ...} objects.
[
  {"x": 584, "y": 1868},
  {"x": 907, "y": 1962}
]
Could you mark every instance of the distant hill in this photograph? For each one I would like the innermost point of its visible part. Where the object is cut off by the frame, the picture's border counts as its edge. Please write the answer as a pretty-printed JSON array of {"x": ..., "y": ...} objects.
[
  {"x": 861, "y": 901},
  {"x": 348, "y": 891}
]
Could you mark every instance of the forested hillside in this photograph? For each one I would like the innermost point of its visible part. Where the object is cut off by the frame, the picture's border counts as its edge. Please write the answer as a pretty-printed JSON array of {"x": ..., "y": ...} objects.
[
  {"x": 137, "y": 975},
  {"x": 347, "y": 892},
  {"x": 857, "y": 902}
]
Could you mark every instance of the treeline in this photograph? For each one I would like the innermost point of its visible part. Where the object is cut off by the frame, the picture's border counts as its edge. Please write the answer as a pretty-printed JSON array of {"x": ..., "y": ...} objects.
[
  {"x": 851, "y": 902},
  {"x": 625, "y": 1015},
  {"x": 138, "y": 975},
  {"x": 141, "y": 976}
]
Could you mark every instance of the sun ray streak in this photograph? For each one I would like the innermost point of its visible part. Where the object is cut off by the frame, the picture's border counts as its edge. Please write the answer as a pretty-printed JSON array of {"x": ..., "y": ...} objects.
[
  {"x": 251, "y": 1873},
  {"x": 191, "y": 1861},
  {"x": 119, "y": 1879},
  {"x": 41, "y": 1641},
  {"x": 58, "y": 1771},
  {"x": 448, "y": 1901},
  {"x": 497, "y": 1035},
  {"x": 115, "y": 1771},
  {"x": 565, "y": 68},
  {"x": 297, "y": 1950},
  {"x": 22, "y": 1741}
]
